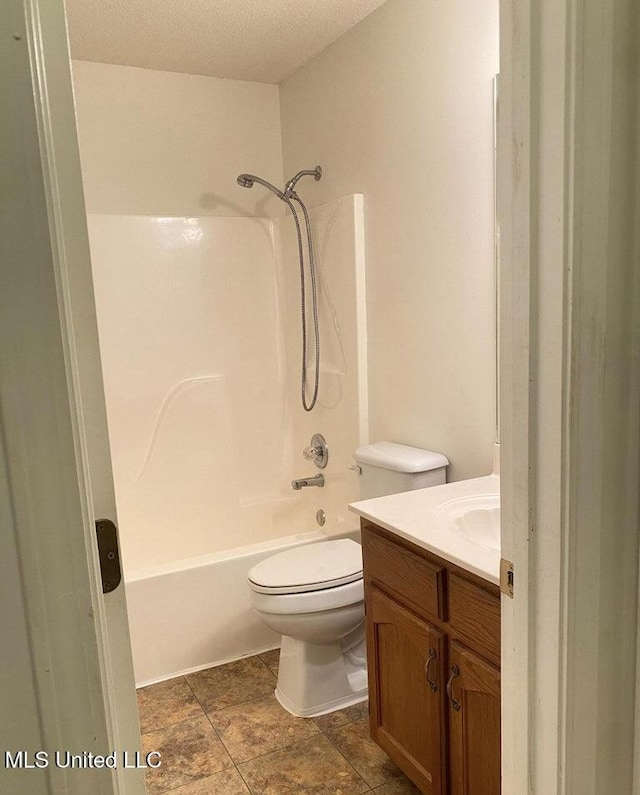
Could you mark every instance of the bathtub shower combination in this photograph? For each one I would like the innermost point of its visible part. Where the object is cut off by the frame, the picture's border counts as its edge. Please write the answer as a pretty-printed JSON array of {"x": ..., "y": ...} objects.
[{"x": 199, "y": 322}]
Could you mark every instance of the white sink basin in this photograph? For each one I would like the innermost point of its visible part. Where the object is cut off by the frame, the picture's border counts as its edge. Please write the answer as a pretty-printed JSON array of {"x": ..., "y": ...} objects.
[{"x": 476, "y": 517}]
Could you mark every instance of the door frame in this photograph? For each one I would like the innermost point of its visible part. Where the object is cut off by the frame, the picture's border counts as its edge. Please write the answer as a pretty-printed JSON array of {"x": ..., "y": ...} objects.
[
  {"x": 55, "y": 469},
  {"x": 570, "y": 341}
]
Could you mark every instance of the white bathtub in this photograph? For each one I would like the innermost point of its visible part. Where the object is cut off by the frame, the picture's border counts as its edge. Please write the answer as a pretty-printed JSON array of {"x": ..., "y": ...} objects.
[{"x": 197, "y": 613}]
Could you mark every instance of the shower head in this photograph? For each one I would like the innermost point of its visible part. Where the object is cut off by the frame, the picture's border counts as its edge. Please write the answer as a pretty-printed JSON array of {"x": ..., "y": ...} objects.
[{"x": 247, "y": 180}]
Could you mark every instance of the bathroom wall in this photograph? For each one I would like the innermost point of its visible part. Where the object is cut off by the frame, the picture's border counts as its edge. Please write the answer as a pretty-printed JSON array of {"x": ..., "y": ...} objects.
[
  {"x": 163, "y": 143},
  {"x": 199, "y": 315},
  {"x": 400, "y": 110}
]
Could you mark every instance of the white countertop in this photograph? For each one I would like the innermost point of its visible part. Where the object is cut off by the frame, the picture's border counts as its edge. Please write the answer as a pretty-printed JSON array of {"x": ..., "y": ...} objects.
[{"x": 411, "y": 515}]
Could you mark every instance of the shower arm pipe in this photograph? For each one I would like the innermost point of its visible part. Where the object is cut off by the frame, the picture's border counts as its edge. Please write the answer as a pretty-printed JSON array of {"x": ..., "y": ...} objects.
[{"x": 316, "y": 173}]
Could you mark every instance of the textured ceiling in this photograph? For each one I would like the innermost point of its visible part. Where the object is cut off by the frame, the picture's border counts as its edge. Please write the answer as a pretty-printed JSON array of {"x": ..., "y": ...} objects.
[{"x": 263, "y": 40}]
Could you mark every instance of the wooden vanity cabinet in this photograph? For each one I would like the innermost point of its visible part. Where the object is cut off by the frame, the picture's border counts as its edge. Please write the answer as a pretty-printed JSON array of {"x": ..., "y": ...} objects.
[{"x": 433, "y": 645}]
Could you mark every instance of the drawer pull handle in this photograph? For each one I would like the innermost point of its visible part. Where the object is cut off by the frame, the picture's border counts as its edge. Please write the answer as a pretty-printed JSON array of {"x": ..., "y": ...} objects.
[
  {"x": 432, "y": 656},
  {"x": 455, "y": 671}
]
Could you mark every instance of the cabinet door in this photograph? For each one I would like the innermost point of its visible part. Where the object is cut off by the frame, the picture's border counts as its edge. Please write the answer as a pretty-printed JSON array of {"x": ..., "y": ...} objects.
[
  {"x": 406, "y": 690},
  {"x": 473, "y": 689}
]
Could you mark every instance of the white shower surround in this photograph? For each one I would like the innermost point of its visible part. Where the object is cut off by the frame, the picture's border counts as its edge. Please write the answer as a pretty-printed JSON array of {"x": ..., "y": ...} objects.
[{"x": 200, "y": 340}]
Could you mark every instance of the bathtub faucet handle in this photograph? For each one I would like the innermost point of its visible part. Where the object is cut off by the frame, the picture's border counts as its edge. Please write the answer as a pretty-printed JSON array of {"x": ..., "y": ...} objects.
[{"x": 318, "y": 452}]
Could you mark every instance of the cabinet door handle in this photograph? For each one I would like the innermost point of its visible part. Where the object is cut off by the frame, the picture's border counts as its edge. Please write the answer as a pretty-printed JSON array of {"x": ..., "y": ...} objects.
[
  {"x": 455, "y": 671},
  {"x": 427, "y": 666}
]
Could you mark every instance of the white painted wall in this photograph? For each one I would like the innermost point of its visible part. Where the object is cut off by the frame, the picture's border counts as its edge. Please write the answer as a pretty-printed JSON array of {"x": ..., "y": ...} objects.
[
  {"x": 400, "y": 109},
  {"x": 162, "y": 143}
]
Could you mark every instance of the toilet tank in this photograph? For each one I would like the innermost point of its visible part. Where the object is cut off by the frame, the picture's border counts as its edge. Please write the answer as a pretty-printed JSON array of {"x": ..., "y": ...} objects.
[{"x": 388, "y": 468}]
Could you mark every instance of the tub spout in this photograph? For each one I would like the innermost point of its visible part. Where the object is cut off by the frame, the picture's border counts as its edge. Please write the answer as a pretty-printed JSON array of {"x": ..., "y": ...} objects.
[{"x": 301, "y": 483}]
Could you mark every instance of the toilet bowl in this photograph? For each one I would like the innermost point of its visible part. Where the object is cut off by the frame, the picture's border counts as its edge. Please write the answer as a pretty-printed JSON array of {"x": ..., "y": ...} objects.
[{"x": 314, "y": 597}]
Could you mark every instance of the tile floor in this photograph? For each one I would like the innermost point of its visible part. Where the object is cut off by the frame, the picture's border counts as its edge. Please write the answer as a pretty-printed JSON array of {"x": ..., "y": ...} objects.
[{"x": 221, "y": 732}]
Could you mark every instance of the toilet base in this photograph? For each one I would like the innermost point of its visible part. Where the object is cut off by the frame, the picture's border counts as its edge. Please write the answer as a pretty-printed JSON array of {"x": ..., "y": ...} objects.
[
  {"x": 340, "y": 703},
  {"x": 314, "y": 678}
]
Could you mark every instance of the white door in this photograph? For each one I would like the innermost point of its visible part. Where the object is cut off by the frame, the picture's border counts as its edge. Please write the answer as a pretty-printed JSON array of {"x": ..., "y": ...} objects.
[
  {"x": 570, "y": 375},
  {"x": 71, "y": 685}
]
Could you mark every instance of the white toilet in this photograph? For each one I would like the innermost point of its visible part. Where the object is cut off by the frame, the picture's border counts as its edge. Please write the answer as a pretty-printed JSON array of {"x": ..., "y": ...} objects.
[{"x": 313, "y": 595}]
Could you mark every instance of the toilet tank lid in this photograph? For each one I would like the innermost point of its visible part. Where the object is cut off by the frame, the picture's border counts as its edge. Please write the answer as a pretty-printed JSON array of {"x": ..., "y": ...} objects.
[
  {"x": 400, "y": 457},
  {"x": 311, "y": 567}
]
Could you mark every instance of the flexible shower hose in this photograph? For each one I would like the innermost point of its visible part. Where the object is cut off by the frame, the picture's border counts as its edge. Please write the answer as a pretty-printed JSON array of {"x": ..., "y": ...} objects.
[{"x": 307, "y": 406}]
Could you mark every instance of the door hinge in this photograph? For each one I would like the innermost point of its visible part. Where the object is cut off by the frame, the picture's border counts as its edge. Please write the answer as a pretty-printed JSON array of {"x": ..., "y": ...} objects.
[
  {"x": 506, "y": 577},
  {"x": 109, "y": 554}
]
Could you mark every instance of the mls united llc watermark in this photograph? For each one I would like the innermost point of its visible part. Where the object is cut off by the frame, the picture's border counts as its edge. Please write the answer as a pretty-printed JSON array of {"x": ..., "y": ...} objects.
[{"x": 24, "y": 760}]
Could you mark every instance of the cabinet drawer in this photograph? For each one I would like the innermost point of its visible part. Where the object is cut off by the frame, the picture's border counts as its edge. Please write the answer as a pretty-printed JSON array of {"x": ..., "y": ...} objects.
[
  {"x": 475, "y": 615},
  {"x": 415, "y": 580}
]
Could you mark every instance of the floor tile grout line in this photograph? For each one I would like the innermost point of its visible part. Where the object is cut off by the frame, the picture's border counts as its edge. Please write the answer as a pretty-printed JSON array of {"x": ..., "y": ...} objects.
[
  {"x": 172, "y": 725},
  {"x": 271, "y": 751},
  {"x": 195, "y": 695},
  {"x": 339, "y": 726},
  {"x": 348, "y": 762},
  {"x": 269, "y": 651},
  {"x": 352, "y": 766},
  {"x": 204, "y": 775},
  {"x": 246, "y": 783},
  {"x": 167, "y": 725},
  {"x": 191, "y": 780},
  {"x": 239, "y": 704},
  {"x": 200, "y": 778},
  {"x": 283, "y": 747},
  {"x": 258, "y": 657},
  {"x": 222, "y": 741},
  {"x": 246, "y": 701},
  {"x": 213, "y": 729},
  {"x": 276, "y": 750},
  {"x": 233, "y": 706}
]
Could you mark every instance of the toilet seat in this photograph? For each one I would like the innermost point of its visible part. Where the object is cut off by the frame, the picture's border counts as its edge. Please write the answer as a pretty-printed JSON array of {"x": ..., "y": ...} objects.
[
  {"x": 342, "y": 596},
  {"x": 311, "y": 568}
]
